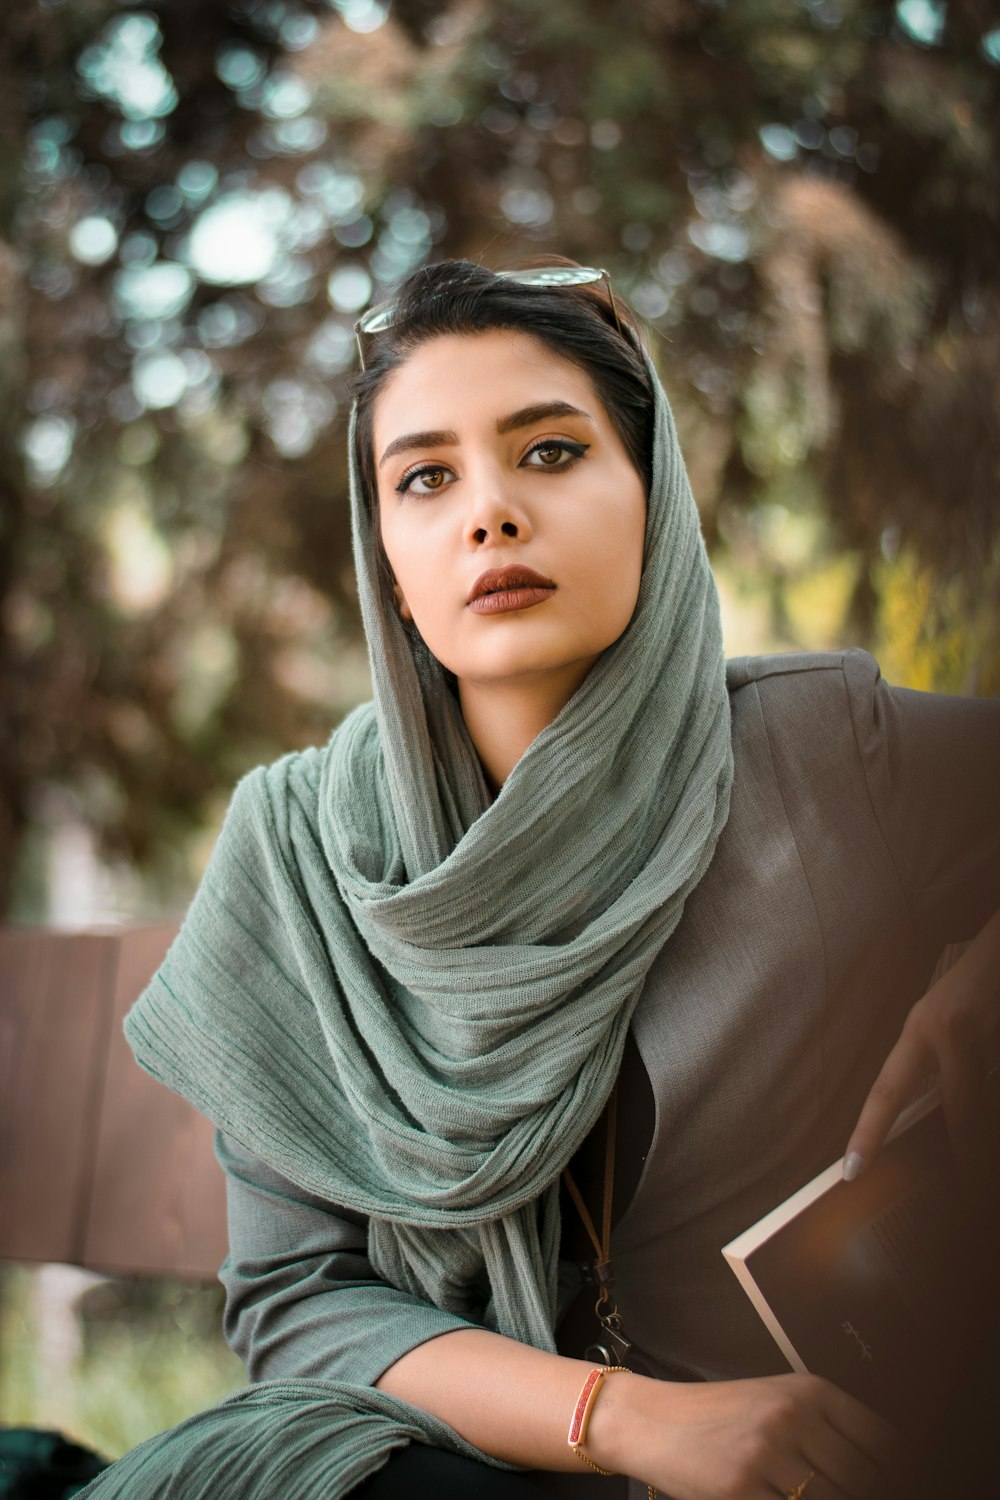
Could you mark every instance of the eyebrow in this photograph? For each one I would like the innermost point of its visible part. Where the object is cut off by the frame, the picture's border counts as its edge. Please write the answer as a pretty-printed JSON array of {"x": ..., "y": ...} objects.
[{"x": 523, "y": 418}]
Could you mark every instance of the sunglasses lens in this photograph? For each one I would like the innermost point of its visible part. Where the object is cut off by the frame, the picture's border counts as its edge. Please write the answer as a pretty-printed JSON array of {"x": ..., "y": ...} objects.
[
  {"x": 376, "y": 319},
  {"x": 555, "y": 275}
]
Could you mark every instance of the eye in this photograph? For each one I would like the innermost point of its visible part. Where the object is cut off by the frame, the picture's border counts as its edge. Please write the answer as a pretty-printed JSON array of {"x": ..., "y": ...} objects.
[
  {"x": 426, "y": 479},
  {"x": 554, "y": 453}
]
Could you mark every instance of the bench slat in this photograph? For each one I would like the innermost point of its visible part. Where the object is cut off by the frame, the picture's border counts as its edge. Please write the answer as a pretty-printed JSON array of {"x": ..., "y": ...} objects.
[
  {"x": 100, "y": 1165},
  {"x": 55, "y": 1013},
  {"x": 158, "y": 1204}
]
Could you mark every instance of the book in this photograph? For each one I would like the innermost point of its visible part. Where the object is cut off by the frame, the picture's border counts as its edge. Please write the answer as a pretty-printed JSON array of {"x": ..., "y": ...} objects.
[{"x": 884, "y": 1285}]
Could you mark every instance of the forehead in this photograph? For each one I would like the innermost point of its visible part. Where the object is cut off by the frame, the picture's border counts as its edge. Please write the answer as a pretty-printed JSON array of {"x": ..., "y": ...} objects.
[{"x": 457, "y": 380}]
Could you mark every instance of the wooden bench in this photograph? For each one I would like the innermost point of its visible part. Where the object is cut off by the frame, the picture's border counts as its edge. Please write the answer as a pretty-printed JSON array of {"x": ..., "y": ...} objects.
[{"x": 100, "y": 1166}]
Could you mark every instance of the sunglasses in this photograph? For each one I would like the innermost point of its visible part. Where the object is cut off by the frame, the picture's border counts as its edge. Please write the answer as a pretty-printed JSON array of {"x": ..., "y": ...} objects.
[{"x": 383, "y": 315}]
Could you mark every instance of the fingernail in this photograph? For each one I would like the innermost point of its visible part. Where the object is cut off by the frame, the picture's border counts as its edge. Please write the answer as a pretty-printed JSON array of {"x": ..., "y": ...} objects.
[{"x": 854, "y": 1165}]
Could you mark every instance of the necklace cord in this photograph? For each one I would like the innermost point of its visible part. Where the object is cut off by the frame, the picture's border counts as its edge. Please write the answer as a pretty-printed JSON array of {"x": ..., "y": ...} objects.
[
  {"x": 601, "y": 1246},
  {"x": 602, "y": 1266}
]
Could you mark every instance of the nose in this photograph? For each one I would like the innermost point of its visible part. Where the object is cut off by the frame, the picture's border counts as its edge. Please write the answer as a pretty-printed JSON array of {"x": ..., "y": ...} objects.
[{"x": 494, "y": 511}]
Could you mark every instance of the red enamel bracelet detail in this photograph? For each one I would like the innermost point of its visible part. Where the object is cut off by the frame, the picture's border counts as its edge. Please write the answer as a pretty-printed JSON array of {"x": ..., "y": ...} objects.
[{"x": 584, "y": 1406}]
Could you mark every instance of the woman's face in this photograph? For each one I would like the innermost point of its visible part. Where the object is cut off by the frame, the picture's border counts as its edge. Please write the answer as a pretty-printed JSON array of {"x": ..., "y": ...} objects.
[{"x": 495, "y": 456}]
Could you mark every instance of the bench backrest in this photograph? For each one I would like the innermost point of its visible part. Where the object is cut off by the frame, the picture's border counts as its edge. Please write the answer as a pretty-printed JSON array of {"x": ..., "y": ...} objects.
[{"x": 100, "y": 1166}]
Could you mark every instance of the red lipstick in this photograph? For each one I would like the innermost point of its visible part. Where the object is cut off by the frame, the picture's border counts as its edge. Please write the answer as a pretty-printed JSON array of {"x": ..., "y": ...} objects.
[{"x": 502, "y": 590}]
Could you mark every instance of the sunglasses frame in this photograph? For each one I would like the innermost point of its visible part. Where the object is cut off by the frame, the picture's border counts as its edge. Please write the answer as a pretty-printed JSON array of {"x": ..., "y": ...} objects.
[{"x": 379, "y": 318}]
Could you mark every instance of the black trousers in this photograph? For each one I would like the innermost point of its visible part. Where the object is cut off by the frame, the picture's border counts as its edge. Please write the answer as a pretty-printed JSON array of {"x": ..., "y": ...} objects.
[{"x": 420, "y": 1473}]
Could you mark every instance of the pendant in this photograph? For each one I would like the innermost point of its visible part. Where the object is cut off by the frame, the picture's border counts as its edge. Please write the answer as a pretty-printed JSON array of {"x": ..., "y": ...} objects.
[{"x": 613, "y": 1348}]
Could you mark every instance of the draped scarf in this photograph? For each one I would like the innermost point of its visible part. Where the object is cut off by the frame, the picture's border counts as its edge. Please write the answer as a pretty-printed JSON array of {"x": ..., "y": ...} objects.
[{"x": 412, "y": 999}]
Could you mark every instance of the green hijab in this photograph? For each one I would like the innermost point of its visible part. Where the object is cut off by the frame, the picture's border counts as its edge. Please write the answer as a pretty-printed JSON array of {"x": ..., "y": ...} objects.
[{"x": 412, "y": 1000}]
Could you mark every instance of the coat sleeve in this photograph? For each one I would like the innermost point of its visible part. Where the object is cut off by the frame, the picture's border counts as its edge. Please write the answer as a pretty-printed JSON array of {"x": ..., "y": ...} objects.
[
  {"x": 302, "y": 1299},
  {"x": 932, "y": 765}
]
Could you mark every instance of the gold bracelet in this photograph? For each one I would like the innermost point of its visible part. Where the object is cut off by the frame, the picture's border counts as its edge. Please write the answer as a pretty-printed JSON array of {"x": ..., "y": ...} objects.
[
  {"x": 584, "y": 1406},
  {"x": 581, "y": 1418},
  {"x": 650, "y": 1488}
]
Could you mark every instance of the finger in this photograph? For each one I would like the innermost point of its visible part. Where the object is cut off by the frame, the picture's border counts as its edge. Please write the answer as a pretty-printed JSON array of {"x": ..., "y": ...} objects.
[
  {"x": 845, "y": 1467},
  {"x": 818, "y": 1487},
  {"x": 806, "y": 1484},
  {"x": 842, "y": 1464},
  {"x": 863, "y": 1428},
  {"x": 901, "y": 1075}
]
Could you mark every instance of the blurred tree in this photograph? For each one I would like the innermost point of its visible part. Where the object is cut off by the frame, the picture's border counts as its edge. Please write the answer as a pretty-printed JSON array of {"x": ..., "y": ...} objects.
[{"x": 801, "y": 197}]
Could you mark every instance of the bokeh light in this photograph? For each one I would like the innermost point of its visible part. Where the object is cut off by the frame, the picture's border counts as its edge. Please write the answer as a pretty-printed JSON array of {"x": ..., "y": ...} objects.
[{"x": 93, "y": 240}]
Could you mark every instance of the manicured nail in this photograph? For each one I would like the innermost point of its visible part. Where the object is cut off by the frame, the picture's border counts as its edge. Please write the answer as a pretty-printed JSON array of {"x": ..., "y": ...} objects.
[{"x": 854, "y": 1165}]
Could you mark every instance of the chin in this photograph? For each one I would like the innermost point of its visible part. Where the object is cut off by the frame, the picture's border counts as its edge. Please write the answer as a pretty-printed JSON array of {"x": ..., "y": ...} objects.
[{"x": 525, "y": 670}]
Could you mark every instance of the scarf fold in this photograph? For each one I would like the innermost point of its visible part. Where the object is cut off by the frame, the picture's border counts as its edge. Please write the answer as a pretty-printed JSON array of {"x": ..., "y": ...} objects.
[{"x": 411, "y": 1000}]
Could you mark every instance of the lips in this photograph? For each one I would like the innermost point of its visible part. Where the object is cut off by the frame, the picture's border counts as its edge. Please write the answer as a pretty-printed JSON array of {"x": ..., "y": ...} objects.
[{"x": 502, "y": 591}]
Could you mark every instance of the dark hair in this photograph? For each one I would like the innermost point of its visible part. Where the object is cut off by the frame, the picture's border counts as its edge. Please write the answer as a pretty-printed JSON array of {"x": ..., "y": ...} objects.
[{"x": 577, "y": 323}]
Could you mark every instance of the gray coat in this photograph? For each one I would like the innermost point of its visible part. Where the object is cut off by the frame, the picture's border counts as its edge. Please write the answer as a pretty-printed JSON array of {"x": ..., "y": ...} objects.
[{"x": 864, "y": 836}]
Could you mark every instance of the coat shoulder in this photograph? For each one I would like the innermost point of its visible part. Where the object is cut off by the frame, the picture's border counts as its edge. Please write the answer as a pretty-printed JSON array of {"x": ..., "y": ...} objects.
[{"x": 743, "y": 671}]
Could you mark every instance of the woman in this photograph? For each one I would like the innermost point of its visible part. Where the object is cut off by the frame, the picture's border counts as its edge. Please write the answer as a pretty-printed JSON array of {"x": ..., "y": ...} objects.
[{"x": 561, "y": 849}]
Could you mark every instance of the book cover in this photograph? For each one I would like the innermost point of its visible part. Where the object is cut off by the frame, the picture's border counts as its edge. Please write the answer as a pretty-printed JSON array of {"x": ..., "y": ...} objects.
[{"x": 882, "y": 1285}]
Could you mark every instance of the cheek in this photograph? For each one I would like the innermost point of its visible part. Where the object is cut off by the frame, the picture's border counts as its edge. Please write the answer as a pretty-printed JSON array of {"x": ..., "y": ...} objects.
[
  {"x": 395, "y": 552},
  {"x": 630, "y": 556},
  {"x": 615, "y": 540},
  {"x": 413, "y": 579}
]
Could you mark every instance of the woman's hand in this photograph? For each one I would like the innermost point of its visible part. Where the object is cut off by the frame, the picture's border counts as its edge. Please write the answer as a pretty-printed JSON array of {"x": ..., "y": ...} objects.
[
  {"x": 954, "y": 1030},
  {"x": 741, "y": 1439}
]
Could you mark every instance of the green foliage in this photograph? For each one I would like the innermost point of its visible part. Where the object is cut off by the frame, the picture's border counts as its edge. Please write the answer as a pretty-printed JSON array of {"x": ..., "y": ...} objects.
[
  {"x": 629, "y": 80},
  {"x": 930, "y": 636},
  {"x": 151, "y": 1354}
]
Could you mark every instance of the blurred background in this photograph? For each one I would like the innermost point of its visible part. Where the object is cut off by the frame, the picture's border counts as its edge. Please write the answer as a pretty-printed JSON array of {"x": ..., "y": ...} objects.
[{"x": 197, "y": 199}]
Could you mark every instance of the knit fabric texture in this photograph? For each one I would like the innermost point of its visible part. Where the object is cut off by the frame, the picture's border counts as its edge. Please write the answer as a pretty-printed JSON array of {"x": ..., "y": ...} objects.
[{"x": 412, "y": 999}]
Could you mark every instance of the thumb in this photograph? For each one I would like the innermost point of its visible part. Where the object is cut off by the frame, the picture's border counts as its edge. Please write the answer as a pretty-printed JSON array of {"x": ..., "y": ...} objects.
[{"x": 898, "y": 1081}]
